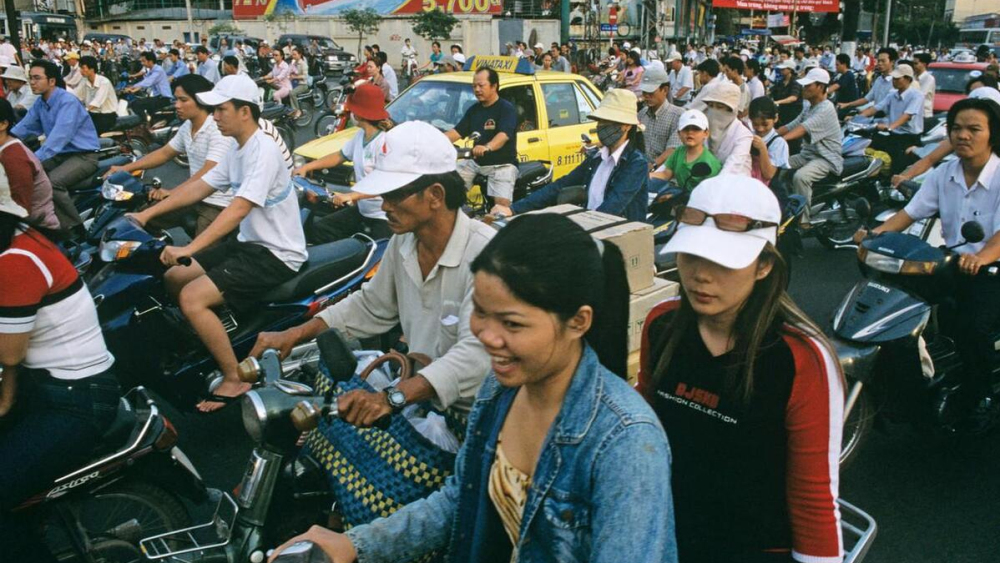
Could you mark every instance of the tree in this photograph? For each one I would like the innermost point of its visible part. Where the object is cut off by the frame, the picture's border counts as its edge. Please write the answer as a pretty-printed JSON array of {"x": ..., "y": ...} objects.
[
  {"x": 363, "y": 22},
  {"x": 434, "y": 24},
  {"x": 224, "y": 27}
]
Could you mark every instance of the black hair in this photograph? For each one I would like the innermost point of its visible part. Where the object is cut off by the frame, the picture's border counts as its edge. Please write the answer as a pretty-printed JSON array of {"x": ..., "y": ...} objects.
[
  {"x": 985, "y": 79},
  {"x": 232, "y": 61},
  {"x": 799, "y": 49},
  {"x": 149, "y": 56},
  {"x": 763, "y": 107},
  {"x": 200, "y": 49},
  {"x": 634, "y": 57},
  {"x": 7, "y": 114},
  {"x": 381, "y": 58},
  {"x": 734, "y": 63},
  {"x": 844, "y": 59},
  {"x": 9, "y": 224},
  {"x": 376, "y": 48},
  {"x": 989, "y": 107},
  {"x": 436, "y": 43},
  {"x": 550, "y": 262},
  {"x": 51, "y": 71},
  {"x": 89, "y": 62},
  {"x": 893, "y": 54},
  {"x": 710, "y": 66},
  {"x": 754, "y": 65},
  {"x": 254, "y": 108},
  {"x": 192, "y": 85},
  {"x": 175, "y": 52},
  {"x": 491, "y": 75},
  {"x": 924, "y": 58}
]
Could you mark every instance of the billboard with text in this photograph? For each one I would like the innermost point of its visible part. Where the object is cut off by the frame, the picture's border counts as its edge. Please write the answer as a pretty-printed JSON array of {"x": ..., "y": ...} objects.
[
  {"x": 780, "y": 5},
  {"x": 249, "y": 9}
]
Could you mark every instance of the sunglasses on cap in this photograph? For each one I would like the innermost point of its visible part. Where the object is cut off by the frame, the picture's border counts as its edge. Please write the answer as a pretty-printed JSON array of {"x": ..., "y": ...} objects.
[{"x": 723, "y": 221}]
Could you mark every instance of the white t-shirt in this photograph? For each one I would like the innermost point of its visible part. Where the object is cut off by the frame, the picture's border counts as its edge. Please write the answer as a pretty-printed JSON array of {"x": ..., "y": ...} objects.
[
  {"x": 207, "y": 144},
  {"x": 257, "y": 173},
  {"x": 777, "y": 149},
  {"x": 362, "y": 154}
]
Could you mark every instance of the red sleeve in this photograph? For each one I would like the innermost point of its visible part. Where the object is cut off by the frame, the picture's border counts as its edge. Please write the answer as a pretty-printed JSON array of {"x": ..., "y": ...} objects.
[
  {"x": 814, "y": 420},
  {"x": 22, "y": 287},
  {"x": 20, "y": 174},
  {"x": 644, "y": 382}
]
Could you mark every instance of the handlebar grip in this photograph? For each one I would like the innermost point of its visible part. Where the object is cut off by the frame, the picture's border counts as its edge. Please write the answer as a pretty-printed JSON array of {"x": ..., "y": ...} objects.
[
  {"x": 184, "y": 261},
  {"x": 384, "y": 422}
]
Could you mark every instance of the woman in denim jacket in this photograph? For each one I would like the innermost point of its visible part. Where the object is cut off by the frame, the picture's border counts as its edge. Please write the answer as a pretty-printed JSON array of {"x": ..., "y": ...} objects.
[{"x": 562, "y": 460}]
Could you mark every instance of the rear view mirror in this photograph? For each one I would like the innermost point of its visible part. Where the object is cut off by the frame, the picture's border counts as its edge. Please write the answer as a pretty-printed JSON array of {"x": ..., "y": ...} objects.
[
  {"x": 336, "y": 355},
  {"x": 973, "y": 232}
]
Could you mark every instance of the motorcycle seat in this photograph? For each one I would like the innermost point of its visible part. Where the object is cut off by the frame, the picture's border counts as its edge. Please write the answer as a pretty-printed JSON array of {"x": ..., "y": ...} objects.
[
  {"x": 326, "y": 263},
  {"x": 273, "y": 110},
  {"x": 531, "y": 170},
  {"x": 119, "y": 430},
  {"x": 127, "y": 122},
  {"x": 852, "y": 165}
]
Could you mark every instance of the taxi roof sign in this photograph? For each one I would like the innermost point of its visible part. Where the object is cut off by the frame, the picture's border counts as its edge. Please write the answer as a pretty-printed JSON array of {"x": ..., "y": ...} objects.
[{"x": 516, "y": 65}]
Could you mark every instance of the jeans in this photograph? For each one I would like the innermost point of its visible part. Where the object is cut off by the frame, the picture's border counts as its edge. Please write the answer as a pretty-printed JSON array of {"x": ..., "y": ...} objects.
[
  {"x": 344, "y": 223},
  {"x": 66, "y": 171},
  {"x": 144, "y": 106},
  {"x": 52, "y": 430}
]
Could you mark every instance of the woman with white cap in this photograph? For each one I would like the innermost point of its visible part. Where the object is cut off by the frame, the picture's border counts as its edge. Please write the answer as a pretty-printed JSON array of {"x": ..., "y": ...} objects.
[
  {"x": 730, "y": 140},
  {"x": 747, "y": 387},
  {"x": 616, "y": 177}
]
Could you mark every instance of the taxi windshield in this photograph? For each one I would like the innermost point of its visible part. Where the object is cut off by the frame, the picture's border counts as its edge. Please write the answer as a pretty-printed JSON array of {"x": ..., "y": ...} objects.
[{"x": 441, "y": 104}]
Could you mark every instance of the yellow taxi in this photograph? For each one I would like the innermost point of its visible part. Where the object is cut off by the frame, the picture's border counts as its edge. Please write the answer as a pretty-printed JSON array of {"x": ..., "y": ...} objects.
[{"x": 552, "y": 109}]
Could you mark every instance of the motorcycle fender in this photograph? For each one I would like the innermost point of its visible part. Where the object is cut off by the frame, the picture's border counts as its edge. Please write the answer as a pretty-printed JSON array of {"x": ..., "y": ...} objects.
[
  {"x": 874, "y": 313},
  {"x": 856, "y": 360},
  {"x": 174, "y": 472}
]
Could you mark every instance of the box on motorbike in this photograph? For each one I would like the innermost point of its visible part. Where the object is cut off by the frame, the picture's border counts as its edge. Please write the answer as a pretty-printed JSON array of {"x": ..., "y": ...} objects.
[
  {"x": 634, "y": 239},
  {"x": 639, "y": 305}
]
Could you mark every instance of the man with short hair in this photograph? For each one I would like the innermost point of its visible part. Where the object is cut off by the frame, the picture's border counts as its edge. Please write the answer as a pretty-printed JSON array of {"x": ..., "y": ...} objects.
[
  {"x": 846, "y": 85},
  {"x": 495, "y": 152},
  {"x": 681, "y": 80},
  {"x": 98, "y": 95},
  {"x": 179, "y": 67},
  {"x": 158, "y": 85},
  {"x": 819, "y": 127},
  {"x": 799, "y": 58},
  {"x": 904, "y": 108},
  {"x": 659, "y": 117},
  {"x": 559, "y": 62},
  {"x": 206, "y": 66},
  {"x": 69, "y": 152},
  {"x": 709, "y": 74},
  {"x": 882, "y": 84},
  {"x": 733, "y": 68},
  {"x": 926, "y": 82},
  {"x": 271, "y": 246}
]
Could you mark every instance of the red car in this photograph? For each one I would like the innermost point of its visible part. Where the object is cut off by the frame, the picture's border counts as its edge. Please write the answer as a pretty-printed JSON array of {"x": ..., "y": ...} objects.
[{"x": 951, "y": 79}]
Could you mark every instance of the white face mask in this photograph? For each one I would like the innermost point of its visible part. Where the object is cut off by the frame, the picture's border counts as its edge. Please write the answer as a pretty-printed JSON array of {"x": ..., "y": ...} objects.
[{"x": 718, "y": 122}]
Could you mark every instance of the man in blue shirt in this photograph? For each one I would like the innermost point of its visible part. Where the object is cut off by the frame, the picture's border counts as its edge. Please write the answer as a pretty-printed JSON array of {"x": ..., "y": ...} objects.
[
  {"x": 904, "y": 109},
  {"x": 158, "y": 84},
  {"x": 206, "y": 66},
  {"x": 179, "y": 67},
  {"x": 69, "y": 152}
]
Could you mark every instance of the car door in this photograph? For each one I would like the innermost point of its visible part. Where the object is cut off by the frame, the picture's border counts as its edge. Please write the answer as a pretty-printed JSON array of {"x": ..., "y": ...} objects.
[
  {"x": 532, "y": 140},
  {"x": 566, "y": 114}
]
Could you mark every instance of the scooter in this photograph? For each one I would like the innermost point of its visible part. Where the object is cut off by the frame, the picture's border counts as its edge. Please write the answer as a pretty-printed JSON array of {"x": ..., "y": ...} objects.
[
  {"x": 131, "y": 488},
  {"x": 531, "y": 175},
  {"x": 334, "y": 117},
  {"x": 134, "y": 309},
  {"x": 899, "y": 364},
  {"x": 283, "y": 492}
]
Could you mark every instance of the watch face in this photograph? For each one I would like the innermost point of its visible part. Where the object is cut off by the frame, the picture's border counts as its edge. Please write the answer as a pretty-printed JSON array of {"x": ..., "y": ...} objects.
[{"x": 396, "y": 398}]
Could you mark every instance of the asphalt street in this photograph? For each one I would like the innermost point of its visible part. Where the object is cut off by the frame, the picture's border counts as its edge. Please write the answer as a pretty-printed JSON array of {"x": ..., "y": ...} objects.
[{"x": 934, "y": 499}]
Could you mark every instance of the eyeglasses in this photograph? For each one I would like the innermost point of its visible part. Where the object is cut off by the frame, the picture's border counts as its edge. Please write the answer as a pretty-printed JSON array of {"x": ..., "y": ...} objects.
[{"x": 723, "y": 221}]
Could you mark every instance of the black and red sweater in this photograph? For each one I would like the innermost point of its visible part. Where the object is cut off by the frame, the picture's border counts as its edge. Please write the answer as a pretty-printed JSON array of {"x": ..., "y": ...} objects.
[{"x": 755, "y": 478}]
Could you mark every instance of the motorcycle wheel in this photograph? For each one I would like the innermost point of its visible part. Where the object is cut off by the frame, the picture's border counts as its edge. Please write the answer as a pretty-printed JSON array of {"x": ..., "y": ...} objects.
[
  {"x": 332, "y": 97},
  {"x": 317, "y": 97},
  {"x": 840, "y": 229},
  {"x": 288, "y": 136},
  {"x": 305, "y": 118},
  {"x": 325, "y": 124},
  {"x": 181, "y": 160},
  {"x": 856, "y": 428},
  {"x": 117, "y": 518},
  {"x": 138, "y": 147}
]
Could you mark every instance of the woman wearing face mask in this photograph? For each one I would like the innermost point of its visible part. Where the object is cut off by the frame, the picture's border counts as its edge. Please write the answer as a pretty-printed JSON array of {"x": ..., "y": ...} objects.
[
  {"x": 748, "y": 388},
  {"x": 615, "y": 177},
  {"x": 562, "y": 461},
  {"x": 730, "y": 140}
]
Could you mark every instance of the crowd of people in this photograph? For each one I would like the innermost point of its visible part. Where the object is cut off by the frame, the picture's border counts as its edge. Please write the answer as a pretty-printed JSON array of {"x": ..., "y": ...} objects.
[{"x": 728, "y": 451}]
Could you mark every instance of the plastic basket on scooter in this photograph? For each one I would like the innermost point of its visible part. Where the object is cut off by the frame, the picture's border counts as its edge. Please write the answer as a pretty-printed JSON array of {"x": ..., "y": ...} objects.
[
  {"x": 191, "y": 544},
  {"x": 858, "y": 529}
]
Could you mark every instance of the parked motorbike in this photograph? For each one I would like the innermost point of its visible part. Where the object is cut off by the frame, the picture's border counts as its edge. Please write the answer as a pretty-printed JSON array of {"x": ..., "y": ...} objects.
[
  {"x": 898, "y": 362},
  {"x": 283, "y": 492},
  {"x": 134, "y": 309},
  {"x": 334, "y": 117},
  {"x": 131, "y": 488}
]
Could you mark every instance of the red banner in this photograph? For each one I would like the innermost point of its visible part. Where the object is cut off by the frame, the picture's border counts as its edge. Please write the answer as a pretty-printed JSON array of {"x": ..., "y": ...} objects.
[{"x": 780, "y": 5}]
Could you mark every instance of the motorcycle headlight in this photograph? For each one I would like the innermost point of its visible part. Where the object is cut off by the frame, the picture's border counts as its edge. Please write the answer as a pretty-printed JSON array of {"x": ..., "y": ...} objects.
[
  {"x": 254, "y": 416},
  {"x": 114, "y": 250},
  {"x": 891, "y": 265},
  {"x": 115, "y": 192},
  {"x": 298, "y": 160}
]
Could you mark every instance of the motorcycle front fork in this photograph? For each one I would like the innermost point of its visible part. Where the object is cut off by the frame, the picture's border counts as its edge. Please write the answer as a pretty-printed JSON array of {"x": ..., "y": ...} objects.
[{"x": 852, "y": 398}]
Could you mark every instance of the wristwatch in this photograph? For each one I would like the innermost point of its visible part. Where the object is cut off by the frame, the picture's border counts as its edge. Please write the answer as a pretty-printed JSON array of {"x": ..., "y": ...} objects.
[{"x": 395, "y": 397}]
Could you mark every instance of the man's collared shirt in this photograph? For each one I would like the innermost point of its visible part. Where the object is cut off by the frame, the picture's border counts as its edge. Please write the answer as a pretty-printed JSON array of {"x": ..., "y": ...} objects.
[
  {"x": 100, "y": 94},
  {"x": 881, "y": 87},
  {"x": 661, "y": 129},
  {"x": 945, "y": 193},
  {"x": 599, "y": 182},
  {"x": 911, "y": 102},
  {"x": 681, "y": 79},
  {"x": 390, "y": 76},
  {"x": 65, "y": 123},
  {"x": 210, "y": 70},
  {"x": 928, "y": 84},
  {"x": 433, "y": 311},
  {"x": 157, "y": 82},
  {"x": 23, "y": 97},
  {"x": 178, "y": 69}
]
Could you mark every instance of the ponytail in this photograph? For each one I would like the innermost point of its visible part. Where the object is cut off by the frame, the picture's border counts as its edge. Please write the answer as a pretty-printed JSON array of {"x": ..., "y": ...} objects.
[{"x": 608, "y": 335}]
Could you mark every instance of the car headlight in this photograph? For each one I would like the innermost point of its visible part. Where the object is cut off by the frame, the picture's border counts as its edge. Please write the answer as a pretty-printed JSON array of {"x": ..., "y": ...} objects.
[
  {"x": 114, "y": 250},
  {"x": 891, "y": 265},
  {"x": 298, "y": 160}
]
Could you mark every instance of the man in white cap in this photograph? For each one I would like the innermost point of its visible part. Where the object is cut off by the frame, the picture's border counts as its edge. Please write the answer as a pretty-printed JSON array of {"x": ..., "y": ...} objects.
[
  {"x": 681, "y": 80},
  {"x": 904, "y": 108},
  {"x": 423, "y": 283},
  {"x": 659, "y": 117},
  {"x": 819, "y": 127},
  {"x": 72, "y": 75},
  {"x": 539, "y": 48},
  {"x": 19, "y": 94},
  {"x": 270, "y": 248},
  {"x": 729, "y": 139}
]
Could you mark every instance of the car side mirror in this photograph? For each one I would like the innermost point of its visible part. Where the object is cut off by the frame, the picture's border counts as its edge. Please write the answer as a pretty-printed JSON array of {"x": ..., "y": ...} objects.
[{"x": 973, "y": 232}]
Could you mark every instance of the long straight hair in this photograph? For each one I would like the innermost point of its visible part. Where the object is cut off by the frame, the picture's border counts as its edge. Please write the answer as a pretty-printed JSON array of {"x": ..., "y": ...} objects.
[{"x": 767, "y": 305}]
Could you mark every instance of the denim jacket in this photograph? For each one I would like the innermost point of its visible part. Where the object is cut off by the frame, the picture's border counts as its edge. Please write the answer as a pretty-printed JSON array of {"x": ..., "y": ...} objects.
[
  {"x": 625, "y": 195},
  {"x": 600, "y": 491}
]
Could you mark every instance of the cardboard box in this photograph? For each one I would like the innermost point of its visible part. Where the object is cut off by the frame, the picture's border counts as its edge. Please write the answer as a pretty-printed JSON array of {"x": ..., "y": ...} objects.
[
  {"x": 633, "y": 368},
  {"x": 635, "y": 240},
  {"x": 641, "y": 303}
]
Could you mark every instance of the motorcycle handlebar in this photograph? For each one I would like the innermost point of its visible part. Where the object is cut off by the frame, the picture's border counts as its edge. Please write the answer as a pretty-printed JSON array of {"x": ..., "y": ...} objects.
[{"x": 184, "y": 261}]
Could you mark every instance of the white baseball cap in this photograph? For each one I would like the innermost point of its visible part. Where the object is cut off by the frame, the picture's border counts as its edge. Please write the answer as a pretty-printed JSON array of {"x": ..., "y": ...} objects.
[
  {"x": 728, "y": 193},
  {"x": 539, "y": 46},
  {"x": 901, "y": 71},
  {"x": 815, "y": 75},
  {"x": 652, "y": 79},
  {"x": 233, "y": 87},
  {"x": 692, "y": 117},
  {"x": 459, "y": 58},
  {"x": 675, "y": 56},
  {"x": 986, "y": 93},
  {"x": 7, "y": 203},
  {"x": 407, "y": 152}
]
